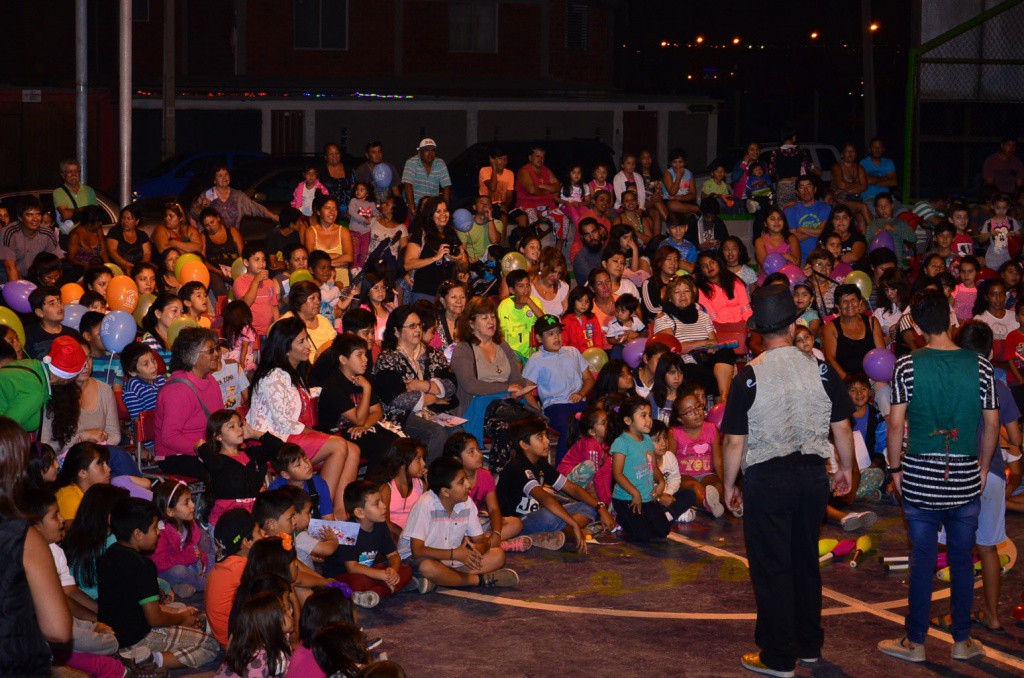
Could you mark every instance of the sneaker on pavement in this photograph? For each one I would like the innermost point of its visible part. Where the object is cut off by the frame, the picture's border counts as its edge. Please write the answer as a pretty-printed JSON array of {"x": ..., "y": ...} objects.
[
  {"x": 517, "y": 544},
  {"x": 549, "y": 541},
  {"x": 366, "y": 598},
  {"x": 752, "y": 662},
  {"x": 424, "y": 585},
  {"x": 713, "y": 502},
  {"x": 503, "y": 578},
  {"x": 687, "y": 516},
  {"x": 902, "y": 648},
  {"x": 968, "y": 649}
]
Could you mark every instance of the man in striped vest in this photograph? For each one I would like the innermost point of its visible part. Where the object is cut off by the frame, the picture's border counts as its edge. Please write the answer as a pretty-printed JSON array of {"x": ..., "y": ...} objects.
[{"x": 943, "y": 393}]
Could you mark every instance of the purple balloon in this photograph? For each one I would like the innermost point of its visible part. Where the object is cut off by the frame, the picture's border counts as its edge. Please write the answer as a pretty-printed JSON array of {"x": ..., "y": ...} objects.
[
  {"x": 634, "y": 351},
  {"x": 882, "y": 239},
  {"x": 793, "y": 272},
  {"x": 73, "y": 315},
  {"x": 16, "y": 295},
  {"x": 879, "y": 364},
  {"x": 117, "y": 330},
  {"x": 773, "y": 263}
]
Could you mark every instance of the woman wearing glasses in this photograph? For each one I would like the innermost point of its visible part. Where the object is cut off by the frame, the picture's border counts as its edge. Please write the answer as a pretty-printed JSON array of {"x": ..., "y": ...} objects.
[{"x": 415, "y": 381}]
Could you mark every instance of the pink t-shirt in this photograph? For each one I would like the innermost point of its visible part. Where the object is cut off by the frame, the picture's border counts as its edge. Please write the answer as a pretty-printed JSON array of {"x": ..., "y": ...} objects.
[
  {"x": 696, "y": 456},
  {"x": 303, "y": 664},
  {"x": 963, "y": 302},
  {"x": 484, "y": 486},
  {"x": 401, "y": 506},
  {"x": 248, "y": 334},
  {"x": 589, "y": 449},
  {"x": 263, "y": 307}
]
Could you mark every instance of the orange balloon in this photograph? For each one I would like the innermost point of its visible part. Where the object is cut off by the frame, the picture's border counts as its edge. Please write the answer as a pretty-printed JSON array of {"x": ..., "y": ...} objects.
[
  {"x": 122, "y": 294},
  {"x": 195, "y": 270},
  {"x": 71, "y": 293}
]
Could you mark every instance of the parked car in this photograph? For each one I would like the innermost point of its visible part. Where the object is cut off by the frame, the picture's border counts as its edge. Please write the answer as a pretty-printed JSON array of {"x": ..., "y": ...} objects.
[
  {"x": 45, "y": 196},
  {"x": 270, "y": 181},
  {"x": 561, "y": 155},
  {"x": 824, "y": 156},
  {"x": 170, "y": 177}
]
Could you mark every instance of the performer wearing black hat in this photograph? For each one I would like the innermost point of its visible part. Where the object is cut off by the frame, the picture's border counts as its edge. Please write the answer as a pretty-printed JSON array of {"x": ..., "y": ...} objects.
[{"x": 776, "y": 425}]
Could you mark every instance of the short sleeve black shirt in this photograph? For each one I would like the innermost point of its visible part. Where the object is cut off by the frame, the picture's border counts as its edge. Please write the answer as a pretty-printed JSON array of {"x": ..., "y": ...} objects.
[
  {"x": 519, "y": 478},
  {"x": 126, "y": 582},
  {"x": 370, "y": 547}
]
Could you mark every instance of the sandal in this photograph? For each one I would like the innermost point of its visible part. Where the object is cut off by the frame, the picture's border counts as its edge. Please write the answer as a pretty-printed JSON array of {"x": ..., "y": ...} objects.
[
  {"x": 979, "y": 617},
  {"x": 942, "y": 622},
  {"x": 517, "y": 545}
]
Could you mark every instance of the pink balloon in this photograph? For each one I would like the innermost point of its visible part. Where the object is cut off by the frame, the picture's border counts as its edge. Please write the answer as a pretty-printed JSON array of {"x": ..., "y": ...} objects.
[
  {"x": 793, "y": 272},
  {"x": 715, "y": 414},
  {"x": 841, "y": 270}
]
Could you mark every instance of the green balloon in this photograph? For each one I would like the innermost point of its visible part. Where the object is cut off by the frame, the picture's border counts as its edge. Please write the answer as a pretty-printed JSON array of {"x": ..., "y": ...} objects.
[
  {"x": 176, "y": 327},
  {"x": 238, "y": 268},
  {"x": 299, "y": 276},
  {"x": 182, "y": 260}
]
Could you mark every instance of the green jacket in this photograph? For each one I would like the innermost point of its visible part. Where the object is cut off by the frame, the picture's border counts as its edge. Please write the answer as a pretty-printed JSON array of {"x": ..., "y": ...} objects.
[{"x": 24, "y": 392}]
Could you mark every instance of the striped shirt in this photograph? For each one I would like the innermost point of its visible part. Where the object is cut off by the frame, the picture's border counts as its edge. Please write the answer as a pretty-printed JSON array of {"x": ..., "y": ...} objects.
[
  {"x": 940, "y": 481},
  {"x": 684, "y": 332},
  {"x": 140, "y": 395},
  {"x": 424, "y": 184}
]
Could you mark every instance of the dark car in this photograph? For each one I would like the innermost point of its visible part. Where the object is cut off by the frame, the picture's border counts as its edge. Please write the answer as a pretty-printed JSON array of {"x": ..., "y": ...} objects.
[
  {"x": 561, "y": 156},
  {"x": 270, "y": 181},
  {"x": 170, "y": 177}
]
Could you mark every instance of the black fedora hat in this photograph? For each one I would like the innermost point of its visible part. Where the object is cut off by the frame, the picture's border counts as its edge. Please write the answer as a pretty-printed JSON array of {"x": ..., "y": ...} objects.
[{"x": 773, "y": 309}]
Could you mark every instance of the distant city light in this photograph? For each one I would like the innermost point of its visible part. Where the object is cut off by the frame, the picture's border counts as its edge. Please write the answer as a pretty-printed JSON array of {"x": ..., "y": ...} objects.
[
  {"x": 873, "y": 27},
  {"x": 664, "y": 43},
  {"x": 735, "y": 41},
  {"x": 814, "y": 35},
  {"x": 700, "y": 39}
]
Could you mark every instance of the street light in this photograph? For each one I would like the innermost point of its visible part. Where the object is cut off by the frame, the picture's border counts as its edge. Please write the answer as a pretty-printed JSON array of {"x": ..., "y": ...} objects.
[
  {"x": 700, "y": 39},
  {"x": 873, "y": 27},
  {"x": 814, "y": 35},
  {"x": 735, "y": 41}
]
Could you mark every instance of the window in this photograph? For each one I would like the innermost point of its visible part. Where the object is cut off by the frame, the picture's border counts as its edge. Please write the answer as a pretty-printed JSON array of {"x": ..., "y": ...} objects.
[
  {"x": 321, "y": 24},
  {"x": 140, "y": 10},
  {"x": 577, "y": 37},
  {"x": 473, "y": 27}
]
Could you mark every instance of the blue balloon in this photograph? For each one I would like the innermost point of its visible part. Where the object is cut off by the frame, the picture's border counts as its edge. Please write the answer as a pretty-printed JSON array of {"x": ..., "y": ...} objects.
[
  {"x": 463, "y": 220},
  {"x": 117, "y": 330},
  {"x": 382, "y": 175},
  {"x": 73, "y": 315}
]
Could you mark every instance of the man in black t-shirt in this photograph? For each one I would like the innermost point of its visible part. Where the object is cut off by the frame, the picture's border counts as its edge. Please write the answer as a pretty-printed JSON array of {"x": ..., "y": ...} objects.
[
  {"x": 129, "y": 596},
  {"x": 48, "y": 308}
]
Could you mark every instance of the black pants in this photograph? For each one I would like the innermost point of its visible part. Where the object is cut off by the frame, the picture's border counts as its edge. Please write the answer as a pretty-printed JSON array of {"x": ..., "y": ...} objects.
[
  {"x": 649, "y": 524},
  {"x": 685, "y": 498},
  {"x": 784, "y": 504}
]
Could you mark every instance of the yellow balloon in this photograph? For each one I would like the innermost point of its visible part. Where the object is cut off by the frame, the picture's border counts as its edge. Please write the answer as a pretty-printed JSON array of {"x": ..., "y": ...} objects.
[
  {"x": 145, "y": 301},
  {"x": 9, "y": 318},
  {"x": 176, "y": 327},
  {"x": 299, "y": 276},
  {"x": 596, "y": 357},
  {"x": 513, "y": 261},
  {"x": 238, "y": 268},
  {"x": 115, "y": 269}
]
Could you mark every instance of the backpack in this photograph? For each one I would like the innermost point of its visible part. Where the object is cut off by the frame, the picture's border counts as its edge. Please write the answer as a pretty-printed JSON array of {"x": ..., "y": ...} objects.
[{"x": 500, "y": 417}]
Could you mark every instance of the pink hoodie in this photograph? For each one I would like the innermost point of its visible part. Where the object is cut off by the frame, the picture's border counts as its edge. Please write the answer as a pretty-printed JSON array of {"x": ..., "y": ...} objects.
[
  {"x": 297, "y": 195},
  {"x": 170, "y": 551},
  {"x": 588, "y": 449}
]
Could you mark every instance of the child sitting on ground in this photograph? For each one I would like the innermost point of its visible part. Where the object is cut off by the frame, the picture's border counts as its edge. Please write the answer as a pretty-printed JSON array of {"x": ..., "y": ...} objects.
[
  {"x": 144, "y": 379},
  {"x": 256, "y": 289},
  {"x": 399, "y": 476},
  {"x": 236, "y": 532},
  {"x": 294, "y": 468},
  {"x": 444, "y": 538},
  {"x": 522, "y": 492},
  {"x": 677, "y": 500},
  {"x": 698, "y": 452},
  {"x": 259, "y": 645},
  {"x": 588, "y": 463},
  {"x": 184, "y": 552},
  {"x": 129, "y": 595},
  {"x": 373, "y": 568},
  {"x": 89, "y": 637},
  {"x": 562, "y": 376},
  {"x": 638, "y": 480},
  {"x": 501, "y": 530},
  {"x": 196, "y": 299},
  {"x": 322, "y": 545}
]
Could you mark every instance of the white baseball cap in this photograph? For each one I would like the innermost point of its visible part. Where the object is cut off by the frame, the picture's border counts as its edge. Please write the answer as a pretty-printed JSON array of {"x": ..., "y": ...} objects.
[{"x": 426, "y": 143}]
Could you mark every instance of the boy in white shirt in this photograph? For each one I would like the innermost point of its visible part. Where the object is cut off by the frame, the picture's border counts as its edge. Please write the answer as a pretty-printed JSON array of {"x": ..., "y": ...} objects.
[{"x": 450, "y": 550}]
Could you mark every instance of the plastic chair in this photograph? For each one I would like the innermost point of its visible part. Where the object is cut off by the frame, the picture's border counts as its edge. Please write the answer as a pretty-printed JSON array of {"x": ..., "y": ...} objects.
[{"x": 145, "y": 428}]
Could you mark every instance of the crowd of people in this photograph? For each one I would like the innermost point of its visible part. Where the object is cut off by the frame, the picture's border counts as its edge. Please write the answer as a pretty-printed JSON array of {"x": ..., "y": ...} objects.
[{"x": 216, "y": 450}]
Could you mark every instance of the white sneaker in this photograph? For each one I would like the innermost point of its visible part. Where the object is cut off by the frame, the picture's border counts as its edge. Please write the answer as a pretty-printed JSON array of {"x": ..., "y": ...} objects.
[
  {"x": 852, "y": 522},
  {"x": 713, "y": 502},
  {"x": 687, "y": 516},
  {"x": 366, "y": 598}
]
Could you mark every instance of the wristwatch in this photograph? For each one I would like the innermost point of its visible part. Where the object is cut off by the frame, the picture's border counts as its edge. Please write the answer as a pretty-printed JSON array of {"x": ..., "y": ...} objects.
[
  {"x": 601, "y": 505},
  {"x": 896, "y": 469}
]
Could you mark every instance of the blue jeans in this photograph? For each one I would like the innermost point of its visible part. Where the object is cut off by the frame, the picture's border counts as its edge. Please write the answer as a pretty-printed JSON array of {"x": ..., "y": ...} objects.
[
  {"x": 961, "y": 524},
  {"x": 474, "y": 414},
  {"x": 543, "y": 520},
  {"x": 558, "y": 419},
  {"x": 121, "y": 463}
]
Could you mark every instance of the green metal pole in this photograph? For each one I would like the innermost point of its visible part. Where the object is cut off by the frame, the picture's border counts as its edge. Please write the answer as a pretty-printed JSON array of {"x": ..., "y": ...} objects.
[{"x": 908, "y": 122}]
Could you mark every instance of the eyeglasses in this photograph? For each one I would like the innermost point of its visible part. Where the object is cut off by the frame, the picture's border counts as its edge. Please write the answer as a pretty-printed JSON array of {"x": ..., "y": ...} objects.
[
  {"x": 212, "y": 350},
  {"x": 413, "y": 326}
]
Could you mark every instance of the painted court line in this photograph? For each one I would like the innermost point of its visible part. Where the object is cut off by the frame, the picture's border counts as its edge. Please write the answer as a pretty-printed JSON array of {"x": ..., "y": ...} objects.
[{"x": 852, "y": 605}]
